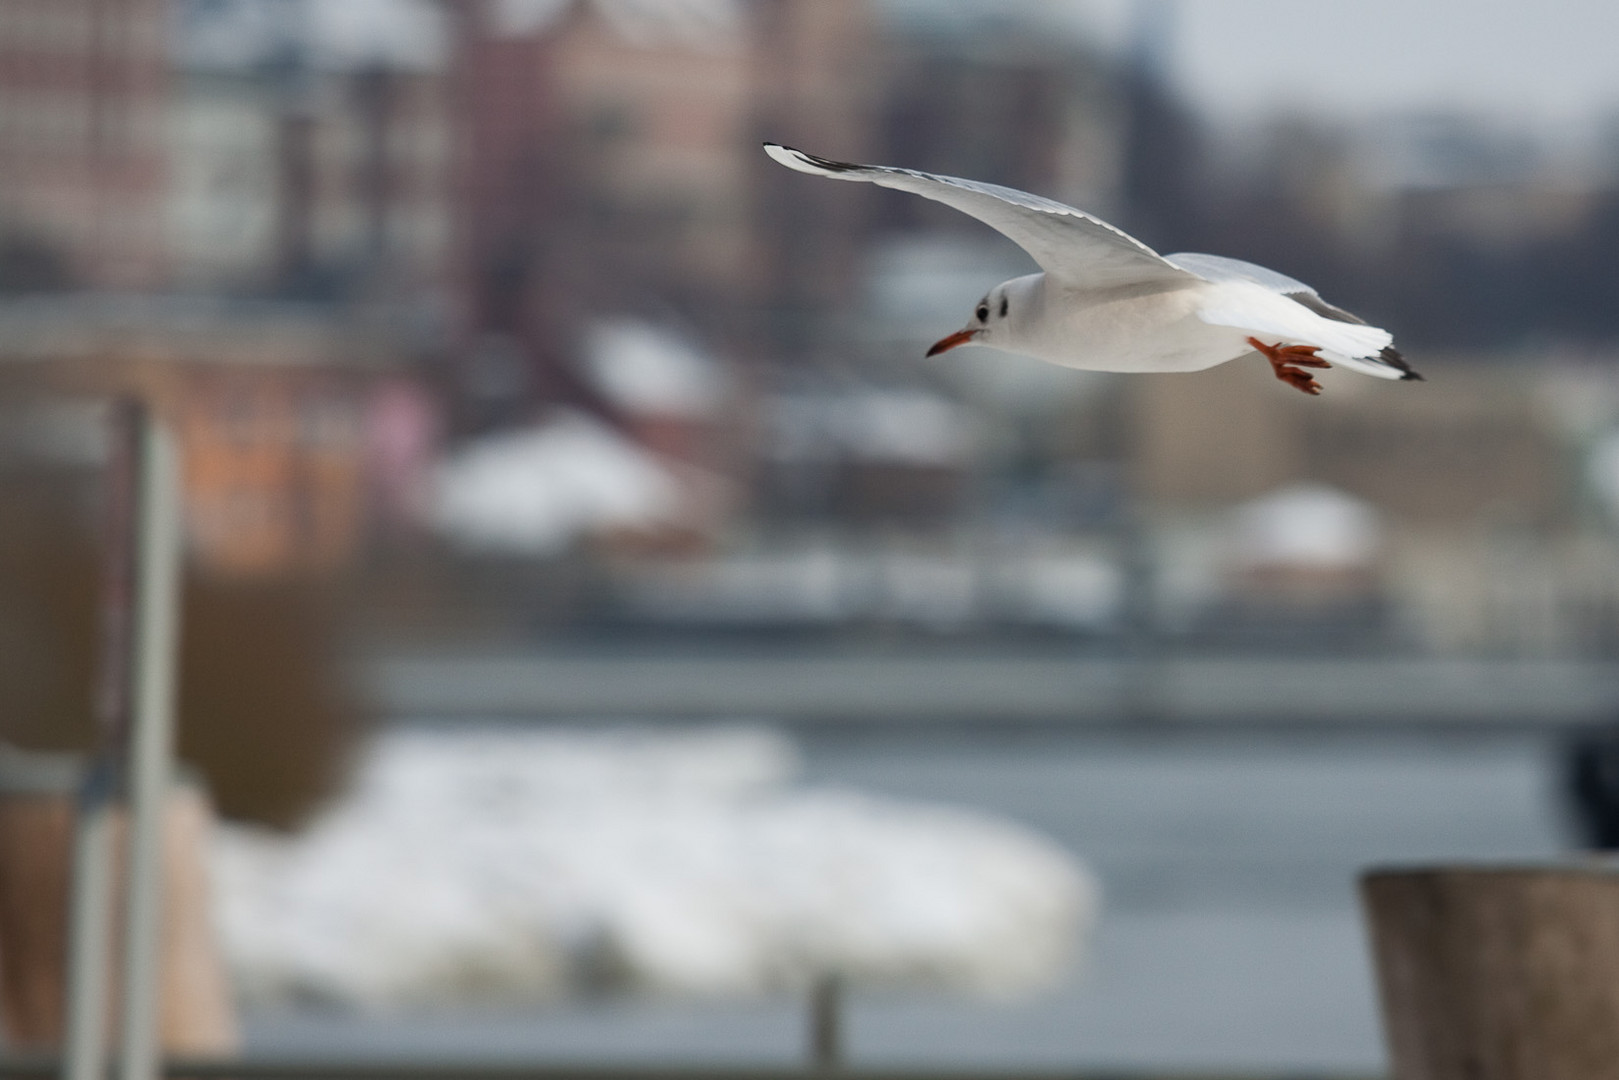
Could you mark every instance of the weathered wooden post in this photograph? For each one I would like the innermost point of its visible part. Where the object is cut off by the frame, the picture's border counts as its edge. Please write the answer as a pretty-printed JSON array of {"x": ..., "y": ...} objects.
[
  {"x": 36, "y": 838},
  {"x": 36, "y": 843},
  {"x": 1498, "y": 974}
]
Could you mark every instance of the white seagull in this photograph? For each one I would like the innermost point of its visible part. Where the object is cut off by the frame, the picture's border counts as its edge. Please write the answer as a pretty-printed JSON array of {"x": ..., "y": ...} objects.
[{"x": 1107, "y": 302}]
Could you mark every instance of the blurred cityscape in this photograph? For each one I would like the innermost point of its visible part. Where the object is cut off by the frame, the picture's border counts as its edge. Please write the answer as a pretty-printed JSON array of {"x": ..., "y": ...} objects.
[
  {"x": 500, "y": 302},
  {"x": 487, "y": 329}
]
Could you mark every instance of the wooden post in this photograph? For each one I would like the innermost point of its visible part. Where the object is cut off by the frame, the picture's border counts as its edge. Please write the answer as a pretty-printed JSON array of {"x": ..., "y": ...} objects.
[
  {"x": 36, "y": 838},
  {"x": 197, "y": 1016},
  {"x": 1498, "y": 974}
]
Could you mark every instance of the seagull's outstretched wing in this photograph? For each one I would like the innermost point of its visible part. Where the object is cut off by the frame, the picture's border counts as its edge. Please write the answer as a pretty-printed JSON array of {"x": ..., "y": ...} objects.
[
  {"x": 1367, "y": 349},
  {"x": 1070, "y": 245}
]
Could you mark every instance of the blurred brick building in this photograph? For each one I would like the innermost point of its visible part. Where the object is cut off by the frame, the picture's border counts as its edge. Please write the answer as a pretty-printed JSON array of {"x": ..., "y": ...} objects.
[
  {"x": 610, "y": 164},
  {"x": 268, "y": 400},
  {"x": 161, "y": 161},
  {"x": 148, "y": 144},
  {"x": 318, "y": 190},
  {"x": 1011, "y": 102},
  {"x": 83, "y": 108},
  {"x": 306, "y": 158}
]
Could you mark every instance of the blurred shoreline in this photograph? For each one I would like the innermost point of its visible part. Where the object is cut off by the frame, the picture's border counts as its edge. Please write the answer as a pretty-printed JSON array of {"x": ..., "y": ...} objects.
[{"x": 851, "y": 685}]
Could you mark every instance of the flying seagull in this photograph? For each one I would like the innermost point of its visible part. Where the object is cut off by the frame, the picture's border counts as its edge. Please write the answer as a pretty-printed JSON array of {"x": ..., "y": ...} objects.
[{"x": 1105, "y": 301}]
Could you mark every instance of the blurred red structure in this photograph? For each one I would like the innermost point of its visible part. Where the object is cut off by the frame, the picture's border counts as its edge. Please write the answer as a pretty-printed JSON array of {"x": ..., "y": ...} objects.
[
  {"x": 610, "y": 164},
  {"x": 83, "y": 110}
]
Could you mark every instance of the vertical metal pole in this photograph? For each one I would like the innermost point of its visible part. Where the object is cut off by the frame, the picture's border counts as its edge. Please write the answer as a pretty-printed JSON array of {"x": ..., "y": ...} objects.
[
  {"x": 1142, "y": 700},
  {"x": 157, "y": 614},
  {"x": 826, "y": 1027},
  {"x": 90, "y": 915}
]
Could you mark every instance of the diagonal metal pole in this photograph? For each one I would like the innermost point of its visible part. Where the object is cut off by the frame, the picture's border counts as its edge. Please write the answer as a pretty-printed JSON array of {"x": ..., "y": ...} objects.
[
  {"x": 134, "y": 708},
  {"x": 151, "y": 741}
]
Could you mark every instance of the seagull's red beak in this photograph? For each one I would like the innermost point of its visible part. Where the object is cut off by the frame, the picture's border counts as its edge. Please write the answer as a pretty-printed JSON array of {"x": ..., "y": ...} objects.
[{"x": 960, "y": 337}]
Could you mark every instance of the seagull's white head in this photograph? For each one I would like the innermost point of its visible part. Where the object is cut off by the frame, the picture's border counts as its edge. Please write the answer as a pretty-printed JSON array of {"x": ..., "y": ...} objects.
[{"x": 994, "y": 319}]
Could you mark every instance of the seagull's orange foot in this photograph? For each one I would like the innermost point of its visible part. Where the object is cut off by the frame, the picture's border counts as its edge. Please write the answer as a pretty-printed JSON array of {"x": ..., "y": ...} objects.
[{"x": 1289, "y": 362}]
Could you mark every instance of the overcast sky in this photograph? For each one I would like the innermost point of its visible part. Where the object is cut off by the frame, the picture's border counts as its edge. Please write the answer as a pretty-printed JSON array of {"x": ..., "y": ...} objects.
[{"x": 1555, "y": 60}]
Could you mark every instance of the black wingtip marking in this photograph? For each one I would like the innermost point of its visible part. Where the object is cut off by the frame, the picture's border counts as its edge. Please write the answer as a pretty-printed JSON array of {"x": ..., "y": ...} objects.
[
  {"x": 1391, "y": 356},
  {"x": 827, "y": 163},
  {"x": 819, "y": 162}
]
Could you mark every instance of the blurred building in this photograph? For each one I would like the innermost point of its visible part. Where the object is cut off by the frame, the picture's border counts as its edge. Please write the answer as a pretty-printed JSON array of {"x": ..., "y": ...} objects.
[
  {"x": 343, "y": 191},
  {"x": 83, "y": 156},
  {"x": 670, "y": 396},
  {"x": 611, "y": 166},
  {"x": 243, "y": 145},
  {"x": 1005, "y": 99},
  {"x": 601, "y": 171},
  {"x": 874, "y": 458},
  {"x": 268, "y": 401},
  {"x": 1482, "y": 451},
  {"x": 309, "y": 153},
  {"x": 1489, "y": 539}
]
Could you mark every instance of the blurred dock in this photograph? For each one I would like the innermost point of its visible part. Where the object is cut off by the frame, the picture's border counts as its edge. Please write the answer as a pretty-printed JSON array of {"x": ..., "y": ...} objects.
[{"x": 994, "y": 689}]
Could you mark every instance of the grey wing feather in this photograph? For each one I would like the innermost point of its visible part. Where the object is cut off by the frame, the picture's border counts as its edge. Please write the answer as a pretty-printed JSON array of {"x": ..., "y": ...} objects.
[
  {"x": 1220, "y": 268},
  {"x": 1069, "y": 244}
]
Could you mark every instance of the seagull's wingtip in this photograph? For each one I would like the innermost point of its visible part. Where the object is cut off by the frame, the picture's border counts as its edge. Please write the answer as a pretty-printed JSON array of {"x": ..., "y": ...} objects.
[
  {"x": 786, "y": 155},
  {"x": 804, "y": 163}
]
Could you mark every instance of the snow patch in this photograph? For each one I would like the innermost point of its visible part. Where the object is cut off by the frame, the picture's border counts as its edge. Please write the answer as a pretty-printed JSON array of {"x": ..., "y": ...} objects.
[
  {"x": 536, "y": 491},
  {"x": 647, "y": 370},
  {"x": 504, "y": 865},
  {"x": 1306, "y": 525}
]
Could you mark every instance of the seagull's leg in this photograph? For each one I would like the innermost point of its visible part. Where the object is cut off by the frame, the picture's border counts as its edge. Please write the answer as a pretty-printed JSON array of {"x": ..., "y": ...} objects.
[{"x": 1289, "y": 362}]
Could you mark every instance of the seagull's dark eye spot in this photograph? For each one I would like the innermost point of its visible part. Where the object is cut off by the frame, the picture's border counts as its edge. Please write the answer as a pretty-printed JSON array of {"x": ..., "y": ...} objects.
[
  {"x": 983, "y": 313},
  {"x": 1006, "y": 302}
]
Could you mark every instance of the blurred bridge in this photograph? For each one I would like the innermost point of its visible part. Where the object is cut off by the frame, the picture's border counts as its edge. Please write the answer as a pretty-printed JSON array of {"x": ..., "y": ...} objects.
[
  {"x": 879, "y": 688},
  {"x": 42, "y": 1068}
]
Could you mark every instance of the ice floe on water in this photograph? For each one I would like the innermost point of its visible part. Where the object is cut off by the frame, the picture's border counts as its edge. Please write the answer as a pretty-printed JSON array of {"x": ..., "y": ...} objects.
[{"x": 506, "y": 864}]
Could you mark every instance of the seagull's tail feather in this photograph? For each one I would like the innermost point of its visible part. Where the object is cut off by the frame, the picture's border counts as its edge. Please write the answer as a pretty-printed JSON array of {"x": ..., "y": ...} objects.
[
  {"x": 1367, "y": 349},
  {"x": 1386, "y": 364},
  {"x": 808, "y": 163},
  {"x": 1391, "y": 356}
]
